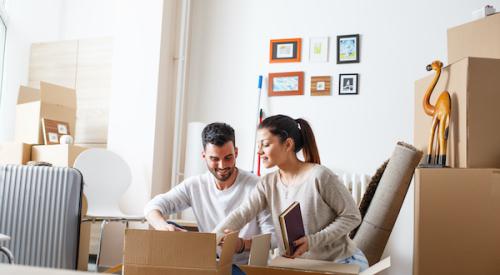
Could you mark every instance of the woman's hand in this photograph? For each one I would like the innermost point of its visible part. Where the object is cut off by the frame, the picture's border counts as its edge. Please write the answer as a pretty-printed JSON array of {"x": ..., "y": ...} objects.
[
  {"x": 302, "y": 246},
  {"x": 240, "y": 243}
]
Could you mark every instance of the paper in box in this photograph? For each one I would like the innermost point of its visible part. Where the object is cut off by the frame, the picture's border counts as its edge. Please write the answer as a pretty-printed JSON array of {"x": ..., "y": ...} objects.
[
  {"x": 51, "y": 102},
  {"x": 182, "y": 253}
]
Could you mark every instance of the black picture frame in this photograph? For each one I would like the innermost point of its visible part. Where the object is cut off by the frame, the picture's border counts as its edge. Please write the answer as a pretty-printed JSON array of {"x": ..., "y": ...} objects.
[
  {"x": 347, "y": 87},
  {"x": 348, "y": 45}
]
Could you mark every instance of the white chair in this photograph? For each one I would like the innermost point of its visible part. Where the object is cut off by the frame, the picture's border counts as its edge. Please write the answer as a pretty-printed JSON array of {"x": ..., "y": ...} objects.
[
  {"x": 5, "y": 250},
  {"x": 106, "y": 177}
]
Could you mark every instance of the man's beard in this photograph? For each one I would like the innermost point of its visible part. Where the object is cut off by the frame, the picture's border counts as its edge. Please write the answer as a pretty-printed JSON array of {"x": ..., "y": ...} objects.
[{"x": 228, "y": 174}]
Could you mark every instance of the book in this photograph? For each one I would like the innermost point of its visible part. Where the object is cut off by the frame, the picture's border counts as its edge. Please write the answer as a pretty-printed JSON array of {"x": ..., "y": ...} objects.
[{"x": 292, "y": 227}]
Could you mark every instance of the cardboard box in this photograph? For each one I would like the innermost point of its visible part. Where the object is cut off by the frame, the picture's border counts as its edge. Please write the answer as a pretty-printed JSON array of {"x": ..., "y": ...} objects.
[
  {"x": 160, "y": 252},
  {"x": 457, "y": 221},
  {"x": 58, "y": 154},
  {"x": 299, "y": 266},
  {"x": 14, "y": 153},
  {"x": 52, "y": 102},
  {"x": 474, "y": 137},
  {"x": 480, "y": 38},
  {"x": 280, "y": 265}
]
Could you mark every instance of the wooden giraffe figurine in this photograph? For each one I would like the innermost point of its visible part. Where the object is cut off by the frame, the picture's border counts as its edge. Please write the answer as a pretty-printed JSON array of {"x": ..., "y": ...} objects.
[{"x": 440, "y": 113}]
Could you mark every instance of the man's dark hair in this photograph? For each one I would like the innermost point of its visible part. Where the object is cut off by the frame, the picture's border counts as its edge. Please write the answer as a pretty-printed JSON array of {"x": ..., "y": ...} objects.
[{"x": 218, "y": 134}]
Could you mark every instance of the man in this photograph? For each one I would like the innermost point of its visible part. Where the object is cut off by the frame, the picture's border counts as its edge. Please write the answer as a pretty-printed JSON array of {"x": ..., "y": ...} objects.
[{"x": 214, "y": 194}]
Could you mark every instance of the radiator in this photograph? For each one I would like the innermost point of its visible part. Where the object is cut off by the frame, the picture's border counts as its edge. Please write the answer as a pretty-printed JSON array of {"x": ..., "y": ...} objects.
[
  {"x": 356, "y": 184},
  {"x": 40, "y": 211}
]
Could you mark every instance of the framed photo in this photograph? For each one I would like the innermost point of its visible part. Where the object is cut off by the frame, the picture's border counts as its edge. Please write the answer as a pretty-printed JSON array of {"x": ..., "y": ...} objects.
[
  {"x": 348, "y": 48},
  {"x": 320, "y": 85},
  {"x": 285, "y": 50},
  {"x": 289, "y": 83},
  {"x": 348, "y": 84},
  {"x": 318, "y": 49},
  {"x": 53, "y": 130}
]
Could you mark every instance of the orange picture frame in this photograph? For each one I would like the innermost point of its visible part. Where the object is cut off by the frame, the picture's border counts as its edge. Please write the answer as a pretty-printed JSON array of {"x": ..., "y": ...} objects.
[
  {"x": 287, "y": 83},
  {"x": 285, "y": 50}
]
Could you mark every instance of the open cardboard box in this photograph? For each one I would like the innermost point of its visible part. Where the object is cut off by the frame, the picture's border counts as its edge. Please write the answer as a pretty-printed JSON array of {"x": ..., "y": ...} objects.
[
  {"x": 51, "y": 102},
  {"x": 154, "y": 252},
  {"x": 281, "y": 265}
]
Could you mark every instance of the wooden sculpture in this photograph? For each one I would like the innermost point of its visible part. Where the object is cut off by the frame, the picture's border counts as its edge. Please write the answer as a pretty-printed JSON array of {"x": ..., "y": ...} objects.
[{"x": 440, "y": 113}]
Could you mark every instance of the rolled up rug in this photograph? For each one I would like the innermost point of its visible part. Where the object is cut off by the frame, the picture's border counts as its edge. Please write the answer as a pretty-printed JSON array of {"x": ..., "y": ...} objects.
[{"x": 376, "y": 227}]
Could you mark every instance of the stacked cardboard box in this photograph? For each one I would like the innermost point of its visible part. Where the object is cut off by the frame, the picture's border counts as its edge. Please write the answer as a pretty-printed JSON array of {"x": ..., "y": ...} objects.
[
  {"x": 456, "y": 209},
  {"x": 52, "y": 102}
]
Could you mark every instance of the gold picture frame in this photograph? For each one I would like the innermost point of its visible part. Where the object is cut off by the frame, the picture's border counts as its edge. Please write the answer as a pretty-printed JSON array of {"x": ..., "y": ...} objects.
[{"x": 321, "y": 85}]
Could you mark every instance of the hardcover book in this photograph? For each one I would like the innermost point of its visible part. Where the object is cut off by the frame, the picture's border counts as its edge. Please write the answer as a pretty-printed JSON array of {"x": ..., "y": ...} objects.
[{"x": 292, "y": 227}]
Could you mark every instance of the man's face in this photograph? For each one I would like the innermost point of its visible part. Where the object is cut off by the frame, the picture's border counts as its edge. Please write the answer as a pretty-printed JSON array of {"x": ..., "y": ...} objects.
[{"x": 221, "y": 160}]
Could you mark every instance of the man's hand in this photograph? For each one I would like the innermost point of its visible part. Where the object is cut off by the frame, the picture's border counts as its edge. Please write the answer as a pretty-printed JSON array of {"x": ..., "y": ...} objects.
[
  {"x": 168, "y": 227},
  {"x": 157, "y": 221},
  {"x": 302, "y": 247}
]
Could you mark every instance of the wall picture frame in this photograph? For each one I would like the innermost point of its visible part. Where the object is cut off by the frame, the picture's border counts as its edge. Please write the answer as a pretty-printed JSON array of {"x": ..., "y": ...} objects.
[
  {"x": 348, "y": 84},
  {"x": 285, "y": 84},
  {"x": 53, "y": 130},
  {"x": 318, "y": 49},
  {"x": 321, "y": 85},
  {"x": 348, "y": 48},
  {"x": 285, "y": 50}
]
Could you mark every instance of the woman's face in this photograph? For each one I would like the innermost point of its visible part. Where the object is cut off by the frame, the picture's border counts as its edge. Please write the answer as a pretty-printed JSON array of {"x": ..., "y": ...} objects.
[{"x": 271, "y": 150}]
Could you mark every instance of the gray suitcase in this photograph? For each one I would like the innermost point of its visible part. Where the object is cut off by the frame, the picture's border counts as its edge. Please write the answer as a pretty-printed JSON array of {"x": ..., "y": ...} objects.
[{"x": 40, "y": 211}]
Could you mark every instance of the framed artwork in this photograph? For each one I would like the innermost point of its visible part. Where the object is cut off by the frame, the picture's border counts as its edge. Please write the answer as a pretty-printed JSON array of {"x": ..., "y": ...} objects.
[
  {"x": 289, "y": 83},
  {"x": 348, "y": 84},
  {"x": 348, "y": 48},
  {"x": 318, "y": 49},
  {"x": 320, "y": 85},
  {"x": 53, "y": 130},
  {"x": 285, "y": 50}
]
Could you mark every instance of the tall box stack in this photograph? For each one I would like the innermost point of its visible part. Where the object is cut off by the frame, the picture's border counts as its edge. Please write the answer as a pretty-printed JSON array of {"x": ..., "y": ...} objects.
[
  {"x": 52, "y": 102},
  {"x": 457, "y": 208}
]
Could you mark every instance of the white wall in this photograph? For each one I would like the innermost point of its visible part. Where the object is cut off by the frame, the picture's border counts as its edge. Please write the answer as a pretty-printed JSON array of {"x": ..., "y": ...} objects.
[
  {"x": 33, "y": 21},
  {"x": 230, "y": 48},
  {"x": 29, "y": 21},
  {"x": 142, "y": 75}
]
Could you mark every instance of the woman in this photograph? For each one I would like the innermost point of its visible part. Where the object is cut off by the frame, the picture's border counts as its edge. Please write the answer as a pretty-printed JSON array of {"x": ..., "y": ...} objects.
[{"x": 328, "y": 210}]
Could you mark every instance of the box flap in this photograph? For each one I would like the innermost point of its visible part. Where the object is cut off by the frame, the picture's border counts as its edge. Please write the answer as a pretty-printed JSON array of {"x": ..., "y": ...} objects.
[
  {"x": 226, "y": 255},
  {"x": 314, "y": 265},
  {"x": 170, "y": 249},
  {"x": 59, "y": 95},
  {"x": 259, "y": 251},
  {"x": 378, "y": 267},
  {"x": 27, "y": 94}
]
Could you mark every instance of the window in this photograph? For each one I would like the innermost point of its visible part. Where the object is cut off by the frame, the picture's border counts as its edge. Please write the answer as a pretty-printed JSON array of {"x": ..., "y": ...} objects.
[{"x": 3, "y": 32}]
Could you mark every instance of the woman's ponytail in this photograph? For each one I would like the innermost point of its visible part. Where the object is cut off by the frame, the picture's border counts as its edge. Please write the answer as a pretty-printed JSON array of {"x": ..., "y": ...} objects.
[{"x": 309, "y": 149}]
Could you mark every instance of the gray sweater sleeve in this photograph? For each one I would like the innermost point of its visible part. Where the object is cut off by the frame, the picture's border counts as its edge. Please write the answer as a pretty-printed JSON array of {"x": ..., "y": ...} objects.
[
  {"x": 335, "y": 194},
  {"x": 173, "y": 201},
  {"x": 248, "y": 210}
]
